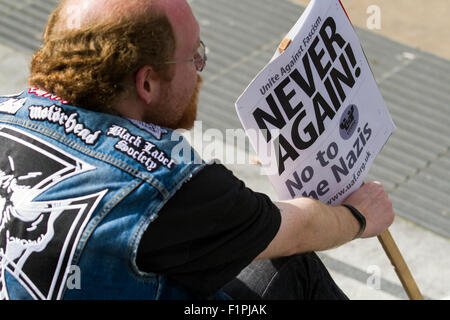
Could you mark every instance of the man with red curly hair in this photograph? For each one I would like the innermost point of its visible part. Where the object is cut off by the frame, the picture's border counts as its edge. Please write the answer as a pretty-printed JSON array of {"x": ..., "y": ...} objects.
[{"x": 89, "y": 184}]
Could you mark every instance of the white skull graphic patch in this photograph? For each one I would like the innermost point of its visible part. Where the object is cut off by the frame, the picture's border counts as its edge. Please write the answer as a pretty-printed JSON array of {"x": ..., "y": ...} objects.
[{"x": 37, "y": 238}]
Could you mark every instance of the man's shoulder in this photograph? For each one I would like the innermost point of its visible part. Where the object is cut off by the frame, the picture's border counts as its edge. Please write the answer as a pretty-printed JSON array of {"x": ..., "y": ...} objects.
[
  {"x": 216, "y": 183},
  {"x": 216, "y": 176}
]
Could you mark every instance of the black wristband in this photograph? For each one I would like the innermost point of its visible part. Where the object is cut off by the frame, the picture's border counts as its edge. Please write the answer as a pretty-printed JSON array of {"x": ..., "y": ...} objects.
[{"x": 361, "y": 219}]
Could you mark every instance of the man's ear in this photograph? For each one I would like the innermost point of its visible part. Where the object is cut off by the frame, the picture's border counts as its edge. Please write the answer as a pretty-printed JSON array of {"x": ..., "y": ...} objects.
[{"x": 148, "y": 84}]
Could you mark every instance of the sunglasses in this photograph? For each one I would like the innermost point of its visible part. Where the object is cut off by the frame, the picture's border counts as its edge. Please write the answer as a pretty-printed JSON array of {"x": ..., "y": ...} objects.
[{"x": 199, "y": 59}]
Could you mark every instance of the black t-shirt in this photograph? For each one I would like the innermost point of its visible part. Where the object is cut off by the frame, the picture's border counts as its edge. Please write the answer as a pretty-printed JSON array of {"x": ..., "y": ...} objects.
[{"x": 211, "y": 229}]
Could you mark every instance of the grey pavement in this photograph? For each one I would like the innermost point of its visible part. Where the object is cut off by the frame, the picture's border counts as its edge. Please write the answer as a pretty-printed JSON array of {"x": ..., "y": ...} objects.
[
  {"x": 414, "y": 166},
  {"x": 14, "y": 66}
]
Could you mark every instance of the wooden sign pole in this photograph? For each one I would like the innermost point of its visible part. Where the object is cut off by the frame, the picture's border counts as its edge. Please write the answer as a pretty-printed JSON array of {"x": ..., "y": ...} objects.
[
  {"x": 400, "y": 266},
  {"x": 387, "y": 242}
]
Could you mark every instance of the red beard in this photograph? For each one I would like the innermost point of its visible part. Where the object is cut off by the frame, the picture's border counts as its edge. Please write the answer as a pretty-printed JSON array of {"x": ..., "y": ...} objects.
[{"x": 190, "y": 115}]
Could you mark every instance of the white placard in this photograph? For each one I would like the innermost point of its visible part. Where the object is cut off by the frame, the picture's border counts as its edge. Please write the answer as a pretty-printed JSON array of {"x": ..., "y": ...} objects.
[{"x": 314, "y": 114}]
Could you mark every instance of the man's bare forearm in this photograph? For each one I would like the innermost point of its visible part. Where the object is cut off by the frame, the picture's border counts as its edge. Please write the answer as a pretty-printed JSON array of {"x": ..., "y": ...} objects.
[
  {"x": 309, "y": 225},
  {"x": 328, "y": 226}
]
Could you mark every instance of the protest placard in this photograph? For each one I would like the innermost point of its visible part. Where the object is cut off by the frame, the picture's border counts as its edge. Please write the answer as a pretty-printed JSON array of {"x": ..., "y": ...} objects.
[{"x": 314, "y": 114}]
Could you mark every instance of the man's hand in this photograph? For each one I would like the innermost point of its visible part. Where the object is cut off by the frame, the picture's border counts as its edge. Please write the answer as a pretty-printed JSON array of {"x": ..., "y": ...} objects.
[{"x": 374, "y": 203}]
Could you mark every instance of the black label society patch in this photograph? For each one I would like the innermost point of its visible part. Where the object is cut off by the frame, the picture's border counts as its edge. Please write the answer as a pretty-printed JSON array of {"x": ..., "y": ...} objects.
[
  {"x": 37, "y": 238},
  {"x": 140, "y": 150}
]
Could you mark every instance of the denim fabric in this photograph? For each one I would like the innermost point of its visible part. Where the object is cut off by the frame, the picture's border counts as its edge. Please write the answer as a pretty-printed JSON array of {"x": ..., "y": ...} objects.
[
  {"x": 299, "y": 277},
  {"x": 79, "y": 188}
]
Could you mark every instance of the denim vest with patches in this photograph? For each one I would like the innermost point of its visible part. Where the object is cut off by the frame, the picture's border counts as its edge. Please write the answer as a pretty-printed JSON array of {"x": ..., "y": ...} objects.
[{"x": 77, "y": 191}]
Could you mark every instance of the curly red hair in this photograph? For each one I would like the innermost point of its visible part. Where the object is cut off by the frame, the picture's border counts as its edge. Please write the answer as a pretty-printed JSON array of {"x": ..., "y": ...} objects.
[{"x": 88, "y": 67}]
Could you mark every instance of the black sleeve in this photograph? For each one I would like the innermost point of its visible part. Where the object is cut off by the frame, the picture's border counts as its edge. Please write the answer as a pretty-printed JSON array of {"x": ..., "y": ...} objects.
[{"x": 209, "y": 231}]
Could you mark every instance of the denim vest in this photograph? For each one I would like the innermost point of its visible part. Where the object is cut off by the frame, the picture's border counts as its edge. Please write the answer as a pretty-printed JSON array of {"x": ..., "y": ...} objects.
[{"x": 77, "y": 191}]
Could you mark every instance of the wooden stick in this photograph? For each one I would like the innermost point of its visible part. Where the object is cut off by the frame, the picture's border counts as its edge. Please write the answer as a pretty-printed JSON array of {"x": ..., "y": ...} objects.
[
  {"x": 400, "y": 266},
  {"x": 284, "y": 45},
  {"x": 386, "y": 240}
]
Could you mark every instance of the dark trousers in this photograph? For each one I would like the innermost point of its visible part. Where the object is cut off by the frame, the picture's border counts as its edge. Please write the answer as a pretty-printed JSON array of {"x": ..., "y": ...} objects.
[{"x": 299, "y": 277}]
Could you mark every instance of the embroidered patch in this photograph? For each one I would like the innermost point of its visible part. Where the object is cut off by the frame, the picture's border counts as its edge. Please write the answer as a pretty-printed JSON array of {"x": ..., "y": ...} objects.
[
  {"x": 38, "y": 238},
  {"x": 44, "y": 94},
  {"x": 154, "y": 130},
  {"x": 69, "y": 122},
  {"x": 140, "y": 150},
  {"x": 11, "y": 106}
]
